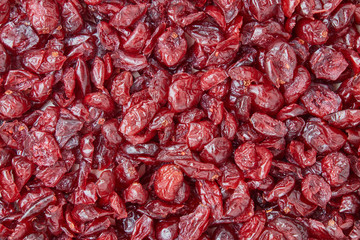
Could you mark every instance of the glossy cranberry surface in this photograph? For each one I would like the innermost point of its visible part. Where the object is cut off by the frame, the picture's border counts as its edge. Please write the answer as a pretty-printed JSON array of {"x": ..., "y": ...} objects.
[{"x": 180, "y": 119}]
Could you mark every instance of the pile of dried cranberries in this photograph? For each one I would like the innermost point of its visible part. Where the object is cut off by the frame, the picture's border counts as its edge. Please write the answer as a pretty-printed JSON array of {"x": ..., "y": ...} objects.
[{"x": 179, "y": 119}]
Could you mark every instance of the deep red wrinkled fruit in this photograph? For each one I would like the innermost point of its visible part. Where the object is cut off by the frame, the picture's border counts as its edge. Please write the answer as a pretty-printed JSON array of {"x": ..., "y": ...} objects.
[
  {"x": 167, "y": 182},
  {"x": 210, "y": 195},
  {"x": 327, "y": 63},
  {"x": 191, "y": 226},
  {"x": 316, "y": 190},
  {"x": 322, "y": 137},
  {"x": 321, "y": 101},
  {"x": 280, "y": 63},
  {"x": 179, "y": 119},
  {"x": 314, "y": 31},
  {"x": 43, "y": 15},
  {"x": 42, "y": 148},
  {"x": 184, "y": 92},
  {"x": 13, "y": 105},
  {"x": 171, "y": 47},
  {"x": 336, "y": 168},
  {"x": 254, "y": 161},
  {"x": 141, "y": 114}
]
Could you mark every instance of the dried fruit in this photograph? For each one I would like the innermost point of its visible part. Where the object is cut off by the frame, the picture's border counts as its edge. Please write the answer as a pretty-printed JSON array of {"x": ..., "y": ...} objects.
[{"x": 179, "y": 119}]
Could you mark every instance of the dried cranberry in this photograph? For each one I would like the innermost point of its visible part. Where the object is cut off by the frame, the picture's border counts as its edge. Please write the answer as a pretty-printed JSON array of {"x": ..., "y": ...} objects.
[{"x": 179, "y": 119}]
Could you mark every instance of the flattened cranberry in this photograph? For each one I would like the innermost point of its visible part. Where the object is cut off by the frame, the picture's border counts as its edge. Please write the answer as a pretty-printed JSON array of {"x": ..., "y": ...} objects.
[
  {"x": 9, "y": 191},
  {"x": 280, "y": 63},
  {"x": 205, "y": 33},
  {"x": 159, "y": 86},
  {"x": 108, "y": 36},
  {"x": 137, "y": 39},
  {"x": 217, "y": 151},
  {"x": 212, "y": 78},
  {"x": 313, "y": 31},
  {"x": 323, "y": 138},
  {"x": 200, "y": 134},
  {"x": 72, "y": 20},
  {"x": 225, "y": 51},
  {"x": 128, "y": 15},
  {"x": 128, "y": 61},
  {"x": 184, "y": 13},
  {"x": 268, "y": 126},
  {"x": 262, "y": 34},
  {"x": 184, "y": 92},
  {"x": 242, "y": 77},
  {"x": 13, "y": 105},
  {"x": 191, "y": 226},
  {"x": 327, "y": 63},
  {"x": 296, "y": 88},
  {"x": 254, "y": 161},
  {"x": 213, "y": 107},
  {"x": 321, "y": 101},
  {"x": 141, "y": 114},
  {"x": 99, "y": 100},
  {"x": 43, "y": 61},
  {"x": 18, "y": 37},
  {"x": 336, "y": 168},
  {"x": 342, "y": 16},
  {"x": 230, "y": 9},
  {"x": 168, "y": 180},
  {"x": 263, "y": 10},
  {"x": 43, "y": 15},
  {"x": 135, "y": 193},
  {"x": 296, "y": 153},
  {"x": 171, "y": 47},
  {"x": 266, "y": 98},
  {"x": 238, "y": 201},
  {"x": 316, "y": 190},
  {"x": 42, "y": 148}
]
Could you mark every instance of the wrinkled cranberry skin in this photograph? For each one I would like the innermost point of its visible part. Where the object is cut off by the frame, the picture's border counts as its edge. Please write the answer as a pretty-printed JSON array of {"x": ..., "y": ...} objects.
[
  {"x": 212, "y": 78},
  {"x": 18, "y": 37},
  {"x": 43, "y": 15},
  {"x": 323, "y": 138},
  {"x": 296, "y": 152},
  {"x": 72, "y": 20},
  {"x": 184, "y": 92},
  {"x": 327, "y": 63},
  {"x": 13, "y": 105},
  {"x": 314, "y": 31},
  {"x": 316, "y": 190},
  {"x": 300, "y": 83},
  {"x": 254, "y": 161},
  {"x": 108, "y": 37},
  {"x": 321, "y": 101},
  {"x": 128, "y": 15},
  {"x": 191, "y": 226},
  {"x": 99, "y": 100},
  {"x": 280, "y": 70},
  {"x": 120, "y": 89},
  {"x": 266, "y": 98},
  {"x": 168, "y": 181},
  {"x": 267, "y": 125},
  {"x": 217, "y": 151},
  {"x": 42, "y": 149},
  {"x": 147, "y": 109},
  {"x": 336, "y": 168},
  {"x": 179, "y": 119},
  {"x": 171, "y": 47}
]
